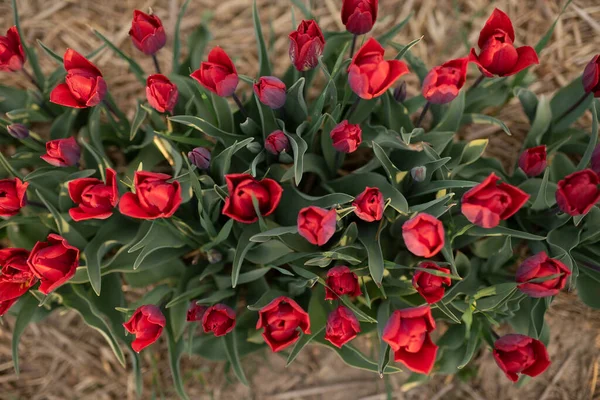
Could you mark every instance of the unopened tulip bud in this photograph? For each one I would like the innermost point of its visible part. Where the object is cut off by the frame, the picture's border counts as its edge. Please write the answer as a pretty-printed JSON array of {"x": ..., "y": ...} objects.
[
  {"x": 596, "y": 160},
  {"x": 277, "y": 142},
  {"x": 214, "y": 256},
  {"x": 271, "y": 91},
  {"x": 400, "y": 92},
  {"x": 591, "y": 76},
  {"x": 200, "y": 157},
  {"x": 18, "y": 131},
  {"x": 419, "y": 173}
]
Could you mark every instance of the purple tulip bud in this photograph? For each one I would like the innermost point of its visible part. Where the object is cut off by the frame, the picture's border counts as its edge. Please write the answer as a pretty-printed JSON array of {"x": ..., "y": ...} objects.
[
  {"x": 596, "y": 160},
  {"x": 400, "y": 92},
  {"x": 200, "y": 157},
  {"x": 419, "y": 173},
  {"x": 18, "y": 131},
  {"x": 270, "y": 91},
  {"x": 214, "y": 256},
  {"x": 277, "y": 142}
]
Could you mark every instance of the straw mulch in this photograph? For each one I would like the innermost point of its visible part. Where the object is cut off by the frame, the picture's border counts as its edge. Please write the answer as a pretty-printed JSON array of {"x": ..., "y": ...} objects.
[{"x": 63, "y": 359}]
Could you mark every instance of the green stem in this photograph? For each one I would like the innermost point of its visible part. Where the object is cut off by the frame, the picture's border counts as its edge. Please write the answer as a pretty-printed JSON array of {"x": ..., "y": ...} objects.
[{"x": 422, "y": 116}]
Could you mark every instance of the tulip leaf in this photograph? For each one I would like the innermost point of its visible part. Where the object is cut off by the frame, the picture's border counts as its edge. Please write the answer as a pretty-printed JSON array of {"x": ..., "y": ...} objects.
[
  {"x": 502, "y": 231},
  {"x": 302, "y": 6},
  {"x": 158, "y": 237},
  {"x": 263, "y": 55},
  {"x": 77, "y": 301},
  {"x": 138, "y": 120},
  {"x": 404, "y": 49},
  {"x": 529, "y": 102},
  {"x": 29, "y": 306},
  {"x": 484, "y": 119},
  {"x": 394, "y": 174},
  {"x": 51, "y": 53},
  {"x": 134, "y": 66},
  {"x": 299, "y": 147},
  {"x": 543, "y": 118},
  {"x": 64, "y": 228},
  {"x": 585, "y": 160},
  {"x": 273, "y": 233},
  {"x": 454, "y": 114},
  {"x": 233, "y": 356},
  {"x": 175, "y": 348},
  {"x": 588, "y": 283},
  {"x": 62, "y": 127},
  {"x": 541, "y": 202},
  {"x": 368, "y": 234},
  {"x": 29, "y": 52},
  {"x": 207, "y": 128},
  {"x": 223, "y": 111},
  {"x": 177, "y": 36},
  {"x": 220, "y": 165},
  {"x": 391, "y": 34},
  {"x": 383, "y": 315},
  {"x": 243, "y": 245},
  {"x": 295, "y": 104}
]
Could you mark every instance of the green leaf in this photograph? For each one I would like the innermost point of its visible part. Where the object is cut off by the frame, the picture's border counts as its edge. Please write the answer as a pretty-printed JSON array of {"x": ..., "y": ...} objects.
[
  {"x": 220, "y": 165},
  {"x": 453, "y": 116},
  {"x": 64, "y": 228},
  {"x": 405, "y": 49},
  {"x": 394, "y": 174},
  {"x": 299, "y": 147},
  {"x": 189, "y": 295},
  {"x": 543, "y": 118},
  {"x": 243, "y": 245},
  {"x": 62, "y": 127},
  {"x": 175, "y": 350},
  {"x": 29, "y": 306},
  {"x": 585, "y": 160},
  {"x": 541, "y": 200},
  {"x": 588, "y": 286},
  {"x": 264, "y": 66},
  {"x": 78, "y": 302},
  {"x": 383, "y": 315},
  {"x": 502, "y": 231},
  {"x": 207, "y": 128},
  {"x": 391, "y": 34},
  {"x": 273, "y": 233},
  {"x": 134, "y": 66},
  {"x": 177, "y": 36},
  {"x": 138, "y": 120},
  {"x": 529, "y": 102},
  {"x": 159, "y": 236},
  {"x": 484, "y": 119},
  {"x": 368, "y": 234},
  {"x": 295, "y": 104},
  {"x": 51, "y": 53},
  {"x": 39, "y": 75},
  {"x": 231, "y": 350}
]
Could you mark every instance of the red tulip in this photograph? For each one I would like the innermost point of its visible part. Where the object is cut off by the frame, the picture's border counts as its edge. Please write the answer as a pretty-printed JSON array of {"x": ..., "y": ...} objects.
[
  {"x": 407, "y": 333},
  {"x": 146, "y": 323},
  {"x": 16, "y": 277},
  {"x": 271, "y": 91},
  {"x": 84, "y": 85},
  {"x": 161, "y": 93},
  {"x": 94, "y": 198},
  {"x": 147, "y": 32},
  {"x": 282, "y": 320},
  {"x": 429, "y": 286},
  {"x": 62, "y": 152},
  {"x": 154, "y": 197},
  {"x": 13, "y": 196},
  {"x": 306, "y": 45},
  {"x": 443, "y": 83},
  {"x": 346, "y": 137},
  {"x": 242, "y": 187},
  {"x": 498, "y": 54},
  {"x": 218, "y": 319},
  {"x": 424, "y": 235},
  {"x": 342, "y": 326},
  {"x": 316, "y": 224},
  {"x": 341, "y": 281},
  {"x": 369, "y": 75},
  {"x": 218, "y": 74},
  {"x": 53, "y": 262},
  {"x": 359, "y": 16},
  {"x": 369, "y": 205},
  {"x": 591, "y": 76},
  {"x": 533, "y": 161},
  {"x": 520, "y": 354},
  {"x": 12, "y": 55},
  {"x": 277, "y": 142},
  {"x": 541, "y": 266},
  {"x": 578, "y": 193},
  {"x": 195, "y": 312},
  {"x": 490, "y": 202}
]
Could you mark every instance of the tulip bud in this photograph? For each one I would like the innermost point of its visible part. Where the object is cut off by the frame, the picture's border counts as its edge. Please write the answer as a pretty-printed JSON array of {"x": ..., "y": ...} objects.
[
  {"x": 214, "y": 256},
  {"x": 359, "y": 16},
  {"x": 18, "y": 131},
  {"x": 400, "y": 92},
  {"x": 270, "y": 91},
  {"x": 591, "y": 76},
  {"x": 161, "y": 93},
  {"x": 346, "y": 137},
  {"x": 419, "y": 173},
  {"x": 596, "y": 160},
  {"x": 200, "y": 157},
  {"x": 254, "y": 147},
  {"x": 12, "y": 56},
  {"x": 277, "y": 142},
  {"x": 533, "y": 160},
  {"x": 147, "y": 32}
]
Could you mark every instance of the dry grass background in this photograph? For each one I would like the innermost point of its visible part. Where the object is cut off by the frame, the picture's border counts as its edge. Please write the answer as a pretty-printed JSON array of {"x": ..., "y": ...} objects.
[{"x": 63, "y": 359}]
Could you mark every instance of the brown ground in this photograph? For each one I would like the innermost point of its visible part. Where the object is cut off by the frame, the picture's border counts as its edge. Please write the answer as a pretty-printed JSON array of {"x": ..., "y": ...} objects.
[{"x": 62, "y": 359}]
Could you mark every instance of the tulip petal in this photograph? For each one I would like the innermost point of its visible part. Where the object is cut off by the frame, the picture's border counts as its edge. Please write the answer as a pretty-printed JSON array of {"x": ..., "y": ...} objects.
[
  {"x": 74, "y": 60},
  {"x": 474, "y": 58},
  {"x": 527, "y": 58},
  {"x": 497, "y": 21},
  {"x": 62, "y": 95}
]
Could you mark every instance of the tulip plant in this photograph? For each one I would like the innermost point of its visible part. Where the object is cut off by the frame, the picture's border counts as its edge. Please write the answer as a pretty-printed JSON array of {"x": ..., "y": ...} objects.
[{"x": 230, "y": 213}]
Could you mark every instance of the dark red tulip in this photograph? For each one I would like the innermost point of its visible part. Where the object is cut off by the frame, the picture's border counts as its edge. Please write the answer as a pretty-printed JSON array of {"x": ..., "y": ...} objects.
[
  {"x": 271, "y": 91},
  {"x": 53, "y": 262},
  {"x": 146, "y": 323},
  {"x": 341, "y": 281},
  {"x": 13, "y": 196},
  {"x": 346, "y": 137},
  {"x": 195, "y": 312},
  {"x": 359, "y": 16},
  {"x": 316, "y": 224},
  {"x": 218, "y": 319},
  {"x": 161, "y": 93},
  {"x": 532, "y": 271},
  {"x": 277, "y": 142},
  {"x": 282, "y": 320},
  {"x": 430, "y": 286},
  {"x": 519, "y": 354},
  {"x": 591, "y": 76},
  {"x": 342, "y": 326},
  {"x": 155, "y": 196},
  {"x": 147, "y": 32},
  {"x": 94, "y": 198},
  {"x": 577, "y": 193},
  {"x": 242, "y": 187},
  {"x": 62, "y": 152},
  {"x": 533, "y": 160},
  {"x": 16, "y": 278},
  {"x": 369, "y": 205}
]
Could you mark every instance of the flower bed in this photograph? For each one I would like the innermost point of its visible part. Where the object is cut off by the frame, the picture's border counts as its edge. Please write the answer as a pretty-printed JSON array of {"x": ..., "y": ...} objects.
[{"x": 274, "y": 233}]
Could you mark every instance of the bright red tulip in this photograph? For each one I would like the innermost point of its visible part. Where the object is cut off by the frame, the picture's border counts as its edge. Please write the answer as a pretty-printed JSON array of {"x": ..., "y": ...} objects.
[
  {"x": 147, "y": 32},
  {"x": 218, "y": 74},
  {"x": 84, "y": 85},
  {"x": 12, "y": 55},
  {"x": 306, "y": 45}
]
